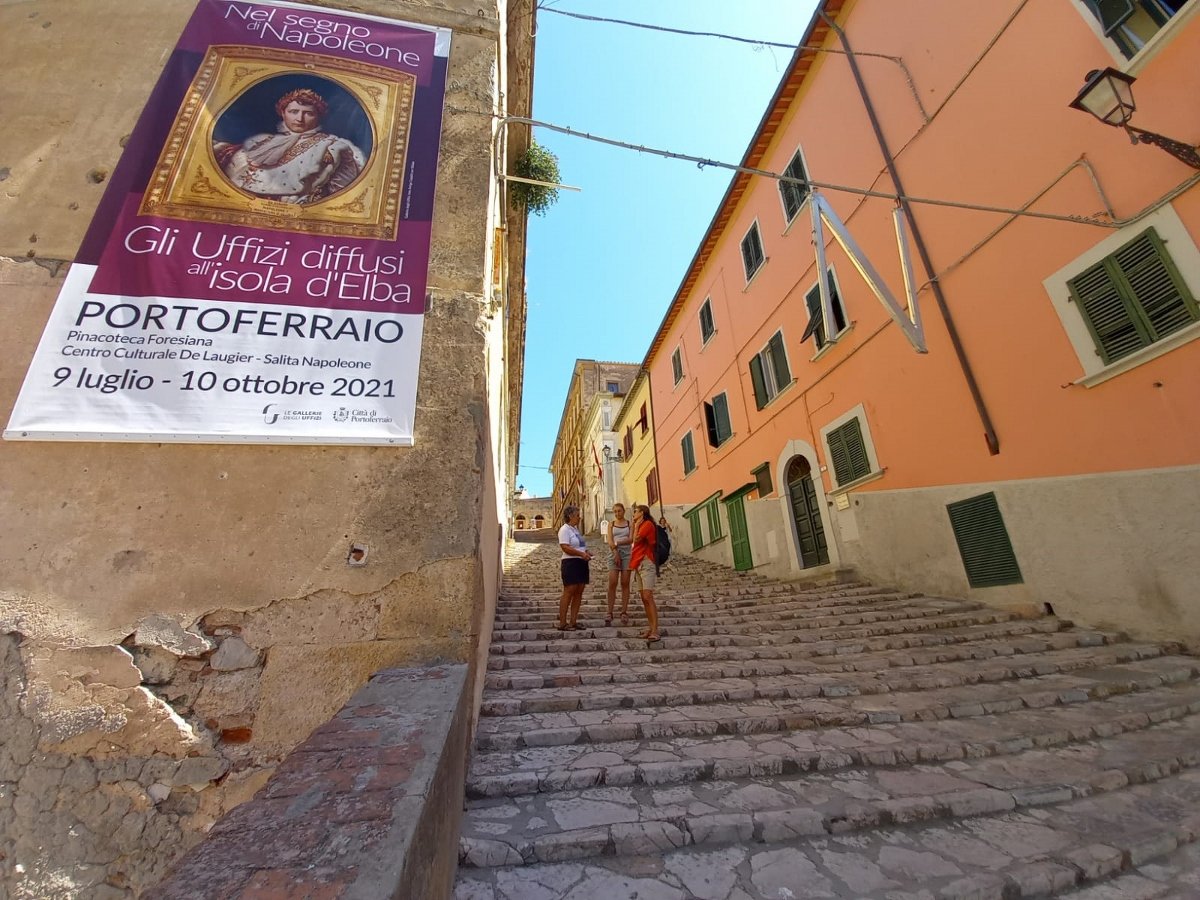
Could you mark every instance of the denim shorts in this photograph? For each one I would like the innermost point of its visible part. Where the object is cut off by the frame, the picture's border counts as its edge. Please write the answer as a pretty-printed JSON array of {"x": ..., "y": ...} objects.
[{"x": 619, "y": 561}]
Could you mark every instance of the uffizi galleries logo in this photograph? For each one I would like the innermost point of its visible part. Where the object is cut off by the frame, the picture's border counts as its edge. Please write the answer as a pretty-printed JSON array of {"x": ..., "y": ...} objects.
[{"x": 270, "y": 417}]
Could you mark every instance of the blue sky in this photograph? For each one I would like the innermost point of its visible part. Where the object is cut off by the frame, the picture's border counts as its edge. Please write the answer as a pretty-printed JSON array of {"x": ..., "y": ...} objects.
[{"x": 603, "y": 264}]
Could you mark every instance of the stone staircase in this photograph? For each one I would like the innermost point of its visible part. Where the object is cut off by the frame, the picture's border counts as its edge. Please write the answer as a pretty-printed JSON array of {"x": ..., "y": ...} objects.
[{"x": 786, "y": 742}]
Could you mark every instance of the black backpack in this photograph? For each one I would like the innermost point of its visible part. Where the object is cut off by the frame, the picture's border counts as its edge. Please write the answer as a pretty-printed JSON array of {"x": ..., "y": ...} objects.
[{"x": 662, "y": 546}]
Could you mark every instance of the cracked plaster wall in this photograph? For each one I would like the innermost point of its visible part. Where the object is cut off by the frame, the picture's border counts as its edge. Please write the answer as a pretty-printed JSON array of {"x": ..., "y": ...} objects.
[{"x": 175, "y": 618}]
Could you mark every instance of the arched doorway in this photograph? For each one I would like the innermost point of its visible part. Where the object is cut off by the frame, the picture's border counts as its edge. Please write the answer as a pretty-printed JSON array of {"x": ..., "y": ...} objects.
[
  {"x": 539, "y": 521},
  {"x": 806, "y": 513},
  {"x": 520, "y": 523}
]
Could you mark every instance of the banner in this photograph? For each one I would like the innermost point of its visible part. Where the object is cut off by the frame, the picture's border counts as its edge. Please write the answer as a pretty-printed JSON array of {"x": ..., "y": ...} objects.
[{"x": 256, "y": 270}]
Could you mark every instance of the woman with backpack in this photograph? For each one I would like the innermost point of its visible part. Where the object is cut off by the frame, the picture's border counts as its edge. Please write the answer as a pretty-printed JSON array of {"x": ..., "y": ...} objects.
[{"x": 644, "y": 568}]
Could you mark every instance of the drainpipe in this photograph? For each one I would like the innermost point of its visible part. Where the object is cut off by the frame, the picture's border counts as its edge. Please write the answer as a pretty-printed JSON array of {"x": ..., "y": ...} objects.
[{"x": 989, "y": 432}]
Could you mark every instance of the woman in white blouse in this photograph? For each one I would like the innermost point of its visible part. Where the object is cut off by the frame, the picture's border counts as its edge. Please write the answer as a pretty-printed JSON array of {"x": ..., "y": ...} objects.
[{"x": 575, "y": 574}]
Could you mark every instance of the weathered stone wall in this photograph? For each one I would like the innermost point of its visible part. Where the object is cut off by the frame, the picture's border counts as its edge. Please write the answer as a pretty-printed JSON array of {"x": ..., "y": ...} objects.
[{"x": 176, "y": 618}]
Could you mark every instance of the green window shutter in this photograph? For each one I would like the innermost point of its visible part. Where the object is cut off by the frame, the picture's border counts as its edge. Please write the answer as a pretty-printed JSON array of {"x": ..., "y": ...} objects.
[
  {"x": 707, "y": 326},
  {"x": 697, "y": 532},
  {"x": 848, "y": 452},
  {"x": 756, "y": 376},
  {"x": 983, "y": 542},
  {"x": 1109, "y": 318},
  {"x": 677, "y": 366},
  {"x": 714, "y": 520},
  {"x": 775, "y": 348},
  {"x": 1111, "y": 13},
  {"x": 1133, "y": 298},
  {"x": 793, "y": 194},
  {"x": 816, "y": 316},
  {"x": 720, "y": 408},
  {"x": 689, "y": 453},
  {"x": 1154, "y": 280}
]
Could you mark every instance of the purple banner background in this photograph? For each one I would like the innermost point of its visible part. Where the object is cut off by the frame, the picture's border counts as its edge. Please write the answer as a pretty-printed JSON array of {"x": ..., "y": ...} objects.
[{"x": 122, "y": 272}]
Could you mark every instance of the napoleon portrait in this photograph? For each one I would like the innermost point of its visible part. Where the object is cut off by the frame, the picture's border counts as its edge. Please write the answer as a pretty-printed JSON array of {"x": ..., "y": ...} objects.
[{"x": 316, "y": 147}]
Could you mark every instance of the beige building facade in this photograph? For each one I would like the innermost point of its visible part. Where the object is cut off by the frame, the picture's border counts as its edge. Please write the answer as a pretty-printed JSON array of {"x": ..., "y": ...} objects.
[
  {"x": 174, "y": 618},
  {"x": 576, "y": 463}
]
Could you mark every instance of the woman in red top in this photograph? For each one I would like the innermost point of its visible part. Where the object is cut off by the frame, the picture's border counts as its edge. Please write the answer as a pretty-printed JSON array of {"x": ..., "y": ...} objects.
[{"x": 645, "y": 572}]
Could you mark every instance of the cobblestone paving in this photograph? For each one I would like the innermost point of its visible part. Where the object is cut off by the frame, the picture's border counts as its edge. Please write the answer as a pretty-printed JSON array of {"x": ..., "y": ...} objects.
[{"x": 782, "y": 743}]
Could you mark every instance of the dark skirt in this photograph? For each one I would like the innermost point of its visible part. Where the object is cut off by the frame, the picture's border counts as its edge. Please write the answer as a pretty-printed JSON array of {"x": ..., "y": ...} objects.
[{"x": 575, "y": 571}]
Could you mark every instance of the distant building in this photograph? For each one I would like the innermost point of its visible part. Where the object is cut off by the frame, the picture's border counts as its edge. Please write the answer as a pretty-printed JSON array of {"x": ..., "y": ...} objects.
[
  {"x": 1045, "y": 449},
  {"x": 634, "y": 426},
  {"x": 577, "y": 462}
]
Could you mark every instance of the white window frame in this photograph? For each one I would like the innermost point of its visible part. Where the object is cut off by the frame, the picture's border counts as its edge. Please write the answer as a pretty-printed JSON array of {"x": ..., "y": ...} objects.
[
  {"x": 864, "y": 426},
  {"x": 807, "y": 197},
  {"x": 830, "y": 340},
  {"x": 1135, "y": 64},
  {"x": 1184, "y": 254},
  {"x": 700, "y": 320},
  {"x": 750, "y": 276},
  {"x": 678, "y": 354}
]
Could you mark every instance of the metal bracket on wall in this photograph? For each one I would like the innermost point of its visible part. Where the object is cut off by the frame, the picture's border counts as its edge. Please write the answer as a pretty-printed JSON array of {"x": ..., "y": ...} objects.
[{"x": 908, "y": 319}]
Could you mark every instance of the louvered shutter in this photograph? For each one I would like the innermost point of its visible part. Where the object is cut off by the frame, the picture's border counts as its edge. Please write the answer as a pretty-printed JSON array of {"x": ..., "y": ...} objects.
[
  {"x": 1133, "y": 298},
  {"x": 779, "y": 364},
  {"x": 720, "y": 407},
  {"x": 1110, "y": 319},
  {"x": 1111, "y": 13},
  {"x": 815, "y": 318},
  {"x": 756, "y": 376},
  {"x": 710, "y": 423},
  {"x": 1164, "y": 298},
  {"x": 983, "y": 542},
  {"x": 848, "y": 452}
]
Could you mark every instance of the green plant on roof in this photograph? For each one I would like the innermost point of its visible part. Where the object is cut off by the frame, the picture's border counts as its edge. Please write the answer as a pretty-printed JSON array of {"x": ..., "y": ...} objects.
[{"x": 538, "y": 164}]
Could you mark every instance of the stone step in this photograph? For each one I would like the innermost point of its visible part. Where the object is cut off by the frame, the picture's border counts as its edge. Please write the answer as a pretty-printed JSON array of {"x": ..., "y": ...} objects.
[
  {"x": 690, "y": 625},
  {"x": 578, "y": 824},
  {"x": 1024, "y": 853},
  {"x": 681, "y": 760},
  {"x": 870, "y": 609},
  {"x": 1094, "y": 662},
  {"x": 739, "y": 664},
  {"x": 810, "y": 710},
  {"x": 925, "y": 633}
]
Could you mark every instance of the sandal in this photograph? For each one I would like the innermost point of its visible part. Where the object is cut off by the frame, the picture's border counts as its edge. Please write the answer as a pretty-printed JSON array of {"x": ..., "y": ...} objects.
[
  {"x": 625, "y": 619},
  {"x": 652, "y": 638},
  {"x": 578, "y": 627},
  {"x": 561, "y": 627},
  {"x": 608, "y": 622}
]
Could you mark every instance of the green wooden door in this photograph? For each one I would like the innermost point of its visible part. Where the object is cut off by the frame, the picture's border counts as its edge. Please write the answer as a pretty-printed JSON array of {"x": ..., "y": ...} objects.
[
  {"x": 814, "y": 550},
  {"x": 739, "y": 535}
]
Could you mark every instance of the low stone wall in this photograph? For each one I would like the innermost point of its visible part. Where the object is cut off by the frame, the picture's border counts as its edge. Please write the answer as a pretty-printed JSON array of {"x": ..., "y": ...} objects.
[{"x": 367, "y": 807}]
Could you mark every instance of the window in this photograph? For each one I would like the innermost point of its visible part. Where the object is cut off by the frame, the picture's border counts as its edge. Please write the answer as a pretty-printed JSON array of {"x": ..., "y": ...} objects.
[
  {"x": 628, "y": 442},
  {"x": 706, "y": 511},
  {"x": 613, "y": 387},
  {"x": 693, "y": 519},
  {"x": 606, "y": 417},
  {"x": 762, "y": 479},
  {"x": 716, "y": 417},
  {"x": 677, "y": 365},
  {"x": 644, "y": 420},
  {"x": 769, "y": 371},
  {"x": 816, "y": 315},
  {"x": 1133, "y": 298},
  {"x": 793, "y": 195},
  {"x": 752, "y": 251},
  {"x": 652, "y": 487},
  {"x": 707, "y": 327},
  {"x": 1131, "y": 23},
  {"x": 689, "y": 454},
  {"x": 983, "y": 542},
  {"x": 848, "y": 452}
]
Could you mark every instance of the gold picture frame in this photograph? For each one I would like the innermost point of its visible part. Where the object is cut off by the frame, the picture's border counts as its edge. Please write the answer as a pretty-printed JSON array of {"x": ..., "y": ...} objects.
[{"x": 188, "y": 182}]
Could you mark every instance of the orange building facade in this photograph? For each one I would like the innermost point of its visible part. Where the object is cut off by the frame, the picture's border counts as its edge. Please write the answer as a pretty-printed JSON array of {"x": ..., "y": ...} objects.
[{"x": 1046, "y": 447}]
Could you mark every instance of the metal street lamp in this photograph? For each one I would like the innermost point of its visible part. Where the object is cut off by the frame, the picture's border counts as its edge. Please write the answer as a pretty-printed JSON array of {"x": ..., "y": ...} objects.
[{"x": 1108, "y": 95}]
